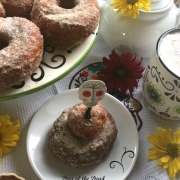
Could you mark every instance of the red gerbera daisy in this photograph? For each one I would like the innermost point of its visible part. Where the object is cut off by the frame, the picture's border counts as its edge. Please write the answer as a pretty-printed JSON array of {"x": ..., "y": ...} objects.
[{"x": 121, "y": 73}]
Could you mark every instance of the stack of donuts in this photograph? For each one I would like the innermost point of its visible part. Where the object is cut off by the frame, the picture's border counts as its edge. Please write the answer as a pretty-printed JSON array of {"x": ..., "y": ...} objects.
[
  {"x": 25, "y": 25},
  {"x": 81, "y": 142}
]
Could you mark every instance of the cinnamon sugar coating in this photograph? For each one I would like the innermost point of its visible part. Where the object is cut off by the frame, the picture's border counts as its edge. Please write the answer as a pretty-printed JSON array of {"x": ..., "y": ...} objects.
[
  {"x": 65, "y": 23},
  {"x": 2, "y": 10},
  {"x": 87, "y": 128},
  {"x": 79, "y": 152},
  {"x": 21, "y": 48},
  {"x": 20, "y": 8}
]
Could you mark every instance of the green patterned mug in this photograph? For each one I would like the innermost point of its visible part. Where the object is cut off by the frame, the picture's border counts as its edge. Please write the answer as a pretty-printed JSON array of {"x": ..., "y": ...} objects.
[{"x": 161, "y": 81}]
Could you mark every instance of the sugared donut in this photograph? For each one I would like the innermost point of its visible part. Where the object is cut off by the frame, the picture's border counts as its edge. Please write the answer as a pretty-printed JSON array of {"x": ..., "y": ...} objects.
[
  {"x": 65, "y": 23},
  {"x": 20, "y": 8},
  {"x": 77, "y": 151},
  {"x": 2, "y": 10},
  {"x": 21, "y": 48},
  {"x": 86, "y": 128}
]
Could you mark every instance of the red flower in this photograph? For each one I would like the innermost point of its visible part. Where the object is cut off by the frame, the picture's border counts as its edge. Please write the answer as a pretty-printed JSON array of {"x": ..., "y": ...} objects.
[
  {"x": 86, "y": 93},
  {"x": 121, "y": 73},
  {"x": 99, "y": 93}
]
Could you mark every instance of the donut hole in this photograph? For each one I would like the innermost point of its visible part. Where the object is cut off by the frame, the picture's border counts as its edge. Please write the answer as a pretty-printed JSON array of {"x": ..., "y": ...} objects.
[
  {"x": 67, "y": 4},
  {"x": 3, "y": 42}
]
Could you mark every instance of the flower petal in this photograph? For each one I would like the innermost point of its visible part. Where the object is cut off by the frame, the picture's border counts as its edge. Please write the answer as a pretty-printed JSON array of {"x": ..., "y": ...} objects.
[
  {"x": 176, "y": 164},
  {"x": 177, "y": 134},
  {"x": 10, "y": 144},
  {"x": 5, "y": 149},
  {"x": 155, "y": 155},
  {"x": 1, "y": 151},
  {"x": 159, "y": 163},
  {"x": 156, "y": 141},
  {"x": 11, "y": 138},
  {"x": 165, "y": 165},
  {"x": 165, "y": 159},
  {"x": 171, "y": 171}
]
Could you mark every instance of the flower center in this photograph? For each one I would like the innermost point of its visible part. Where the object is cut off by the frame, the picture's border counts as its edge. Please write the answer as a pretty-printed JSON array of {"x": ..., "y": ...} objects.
[
  {"x": 173, "y": 150},
  {"x": 121, "y": 72},
  {"x": 131, "y": 1}
]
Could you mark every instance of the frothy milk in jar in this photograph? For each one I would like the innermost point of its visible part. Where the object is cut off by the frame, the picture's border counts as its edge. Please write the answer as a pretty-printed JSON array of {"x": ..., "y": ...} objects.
[{"x": 169, "y": 51}]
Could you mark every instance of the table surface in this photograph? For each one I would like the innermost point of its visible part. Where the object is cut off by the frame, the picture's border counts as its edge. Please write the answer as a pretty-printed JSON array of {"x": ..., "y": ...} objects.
[{"x": 25, "y": 107}]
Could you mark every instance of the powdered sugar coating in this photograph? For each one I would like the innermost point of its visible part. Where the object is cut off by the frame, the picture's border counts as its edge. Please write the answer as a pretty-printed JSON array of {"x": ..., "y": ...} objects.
[
  {"x": 64, "y": 27},
  {"x": 24, "y": 51}
]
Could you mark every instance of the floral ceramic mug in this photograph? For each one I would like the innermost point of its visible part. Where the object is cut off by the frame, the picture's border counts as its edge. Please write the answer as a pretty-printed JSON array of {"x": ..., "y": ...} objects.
[{"x": 161, "y": 81}]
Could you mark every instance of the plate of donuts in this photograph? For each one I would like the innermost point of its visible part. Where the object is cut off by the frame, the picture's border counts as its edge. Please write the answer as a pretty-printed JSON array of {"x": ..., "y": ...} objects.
[
  {"x": 116, "y": 165},
  {"x": 56, "y": 64}
]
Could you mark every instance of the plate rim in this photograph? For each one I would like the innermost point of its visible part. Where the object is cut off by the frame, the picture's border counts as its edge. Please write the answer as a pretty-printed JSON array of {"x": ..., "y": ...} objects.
[
  {"x": 51, "y": 82},
  {"x": 63, "y": 94}
]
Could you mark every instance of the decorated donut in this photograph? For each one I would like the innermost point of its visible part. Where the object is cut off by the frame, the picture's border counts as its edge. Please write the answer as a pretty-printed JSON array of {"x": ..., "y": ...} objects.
[
  {"x": 65, "y": 23},
  {"x": 21, "y": 48},
  {"x": 20, "y": 8},
  {"x": 2, "y": 10},
  {"x": 85, "y": 144}
]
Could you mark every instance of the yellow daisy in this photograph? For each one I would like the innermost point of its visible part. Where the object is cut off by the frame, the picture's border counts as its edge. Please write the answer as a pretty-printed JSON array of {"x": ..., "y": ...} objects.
[
  {"x": 131, "y": 7},
  {"x": 166, "y": 150},
  {"x": 9, "y": 134}
]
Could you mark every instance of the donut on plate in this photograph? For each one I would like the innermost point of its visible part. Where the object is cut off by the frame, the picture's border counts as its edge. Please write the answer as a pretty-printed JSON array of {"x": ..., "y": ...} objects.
[
  {"x": 2, "y": 10},
  {"x": 85, "y": 144},
  {"x": 65, "y": 23},
  {"x": 21, "y": 48},
  {"x": 20, "y": 8}
]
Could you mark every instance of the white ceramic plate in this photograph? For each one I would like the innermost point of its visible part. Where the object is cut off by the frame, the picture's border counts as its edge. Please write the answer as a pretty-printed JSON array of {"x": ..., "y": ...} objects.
[
  {"x": 56, "y": 64},
  {"x": 116, "y": 166}
]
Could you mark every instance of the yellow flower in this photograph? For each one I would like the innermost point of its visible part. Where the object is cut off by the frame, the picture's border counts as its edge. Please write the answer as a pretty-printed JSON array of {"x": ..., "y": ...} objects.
[
  {"x": 131, "y": 7},
  {"x": 9, "y": 134},
  {"x": 166, "y": 149}
]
